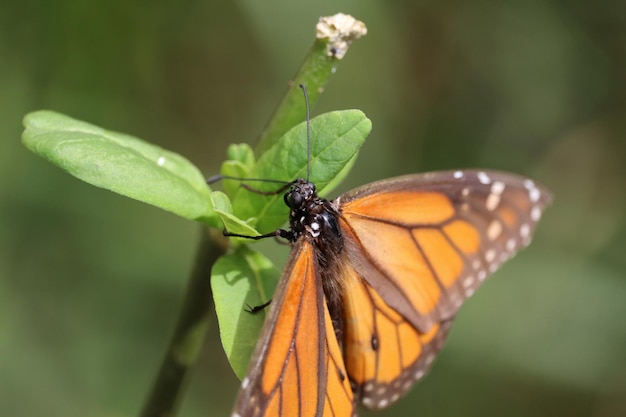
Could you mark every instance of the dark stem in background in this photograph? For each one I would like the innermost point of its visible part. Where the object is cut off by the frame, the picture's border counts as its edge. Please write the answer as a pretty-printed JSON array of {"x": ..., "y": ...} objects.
[
  {"x": 333, "y": 37},
  {"x": 190, "y": 330}
]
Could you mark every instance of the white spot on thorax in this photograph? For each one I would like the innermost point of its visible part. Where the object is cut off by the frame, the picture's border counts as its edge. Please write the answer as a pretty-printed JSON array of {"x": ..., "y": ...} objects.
[
  {"x": 458, "y": 174},
  {"x": 161, "y": 161}
]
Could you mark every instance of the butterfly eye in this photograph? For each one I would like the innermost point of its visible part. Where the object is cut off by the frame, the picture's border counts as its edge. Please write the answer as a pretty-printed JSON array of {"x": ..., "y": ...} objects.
[{"x": 294, "y": 199}]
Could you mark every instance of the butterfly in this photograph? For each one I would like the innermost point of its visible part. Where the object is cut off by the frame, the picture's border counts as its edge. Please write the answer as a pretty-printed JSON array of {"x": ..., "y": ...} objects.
[{"x": 373, "y": 282}]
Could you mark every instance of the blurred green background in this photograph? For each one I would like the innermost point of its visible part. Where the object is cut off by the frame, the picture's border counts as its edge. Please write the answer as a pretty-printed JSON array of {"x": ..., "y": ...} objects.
[{"x": 91, "y": 282}]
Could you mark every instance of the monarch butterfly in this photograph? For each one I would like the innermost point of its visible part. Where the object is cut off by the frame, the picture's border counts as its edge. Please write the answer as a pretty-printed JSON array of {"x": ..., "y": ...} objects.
[{"x": 373, "y": 281}]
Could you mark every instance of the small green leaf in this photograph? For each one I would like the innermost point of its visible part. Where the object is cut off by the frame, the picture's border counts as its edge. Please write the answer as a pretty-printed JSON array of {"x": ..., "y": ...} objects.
[
  {"x": 336, "y": 138},
  {"x": 240, "y": 162},
  {"x": 241, "y": 152},
  {"x": 244, "y": 278},
  {"x": 233, "y": 169},
  {"x": 121, "y": 163},
  {"x": 222, "y": 206}
]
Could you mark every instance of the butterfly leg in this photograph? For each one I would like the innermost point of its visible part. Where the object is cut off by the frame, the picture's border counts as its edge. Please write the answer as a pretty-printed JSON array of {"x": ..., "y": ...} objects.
[
  {"x": 279, "y": 233},
  {"x": 256, "y": 309}
]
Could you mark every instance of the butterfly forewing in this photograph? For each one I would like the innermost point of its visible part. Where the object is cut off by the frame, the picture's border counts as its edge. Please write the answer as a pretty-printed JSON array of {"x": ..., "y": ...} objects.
[
  {"x": 297, "y": 368},
  {"x": 417, "y": 246}
]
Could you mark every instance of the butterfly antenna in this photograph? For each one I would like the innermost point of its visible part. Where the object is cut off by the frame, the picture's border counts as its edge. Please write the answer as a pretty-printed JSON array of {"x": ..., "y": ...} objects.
[{"x": 308, "y": 132}]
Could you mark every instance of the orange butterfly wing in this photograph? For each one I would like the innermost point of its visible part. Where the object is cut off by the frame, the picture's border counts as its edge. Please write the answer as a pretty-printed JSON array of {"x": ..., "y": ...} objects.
[
  {"x": 297, "y": 369},
  {"x": 385, "y": 354},
  {"x": 415, "y": 247}
]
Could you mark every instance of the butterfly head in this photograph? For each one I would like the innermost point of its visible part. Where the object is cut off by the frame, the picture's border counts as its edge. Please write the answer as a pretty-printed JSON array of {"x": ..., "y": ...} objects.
[
  {"x": 300, "y": 193},
  {"x": 310, "y": 216}
]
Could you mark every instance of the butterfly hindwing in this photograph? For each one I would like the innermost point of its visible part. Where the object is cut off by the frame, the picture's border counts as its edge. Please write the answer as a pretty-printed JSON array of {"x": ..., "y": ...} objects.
[
  {"x": 297, "y": 368},
  {"x": 385, "y": 354}
]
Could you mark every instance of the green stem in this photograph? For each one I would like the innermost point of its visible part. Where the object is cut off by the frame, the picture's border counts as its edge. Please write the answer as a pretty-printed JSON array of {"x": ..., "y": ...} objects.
[
  {"x": 190, "y": 330},
  {"x": 334, "y": 35}
]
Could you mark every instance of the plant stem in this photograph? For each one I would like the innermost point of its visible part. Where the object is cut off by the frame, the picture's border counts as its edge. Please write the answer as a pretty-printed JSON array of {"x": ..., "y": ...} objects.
[
  {"x": 189, "y": 332},
  {"x": 334, "y": 35}
]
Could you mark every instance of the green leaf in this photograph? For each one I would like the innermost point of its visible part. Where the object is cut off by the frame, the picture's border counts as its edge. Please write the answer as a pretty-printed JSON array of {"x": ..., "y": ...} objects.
[
  {"x": 336, "y": 138},
  {"x": 223, "y": 208},
  {"x": 121, "y": 163},
  {"x": 240, "y": 162},
  {"x": 244, "y": 278},
  {"x": 241, "y": 152}
]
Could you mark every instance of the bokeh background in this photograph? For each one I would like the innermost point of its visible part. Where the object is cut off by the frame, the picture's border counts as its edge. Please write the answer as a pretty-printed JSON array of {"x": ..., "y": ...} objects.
[{"x": 91, "y": 282}]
